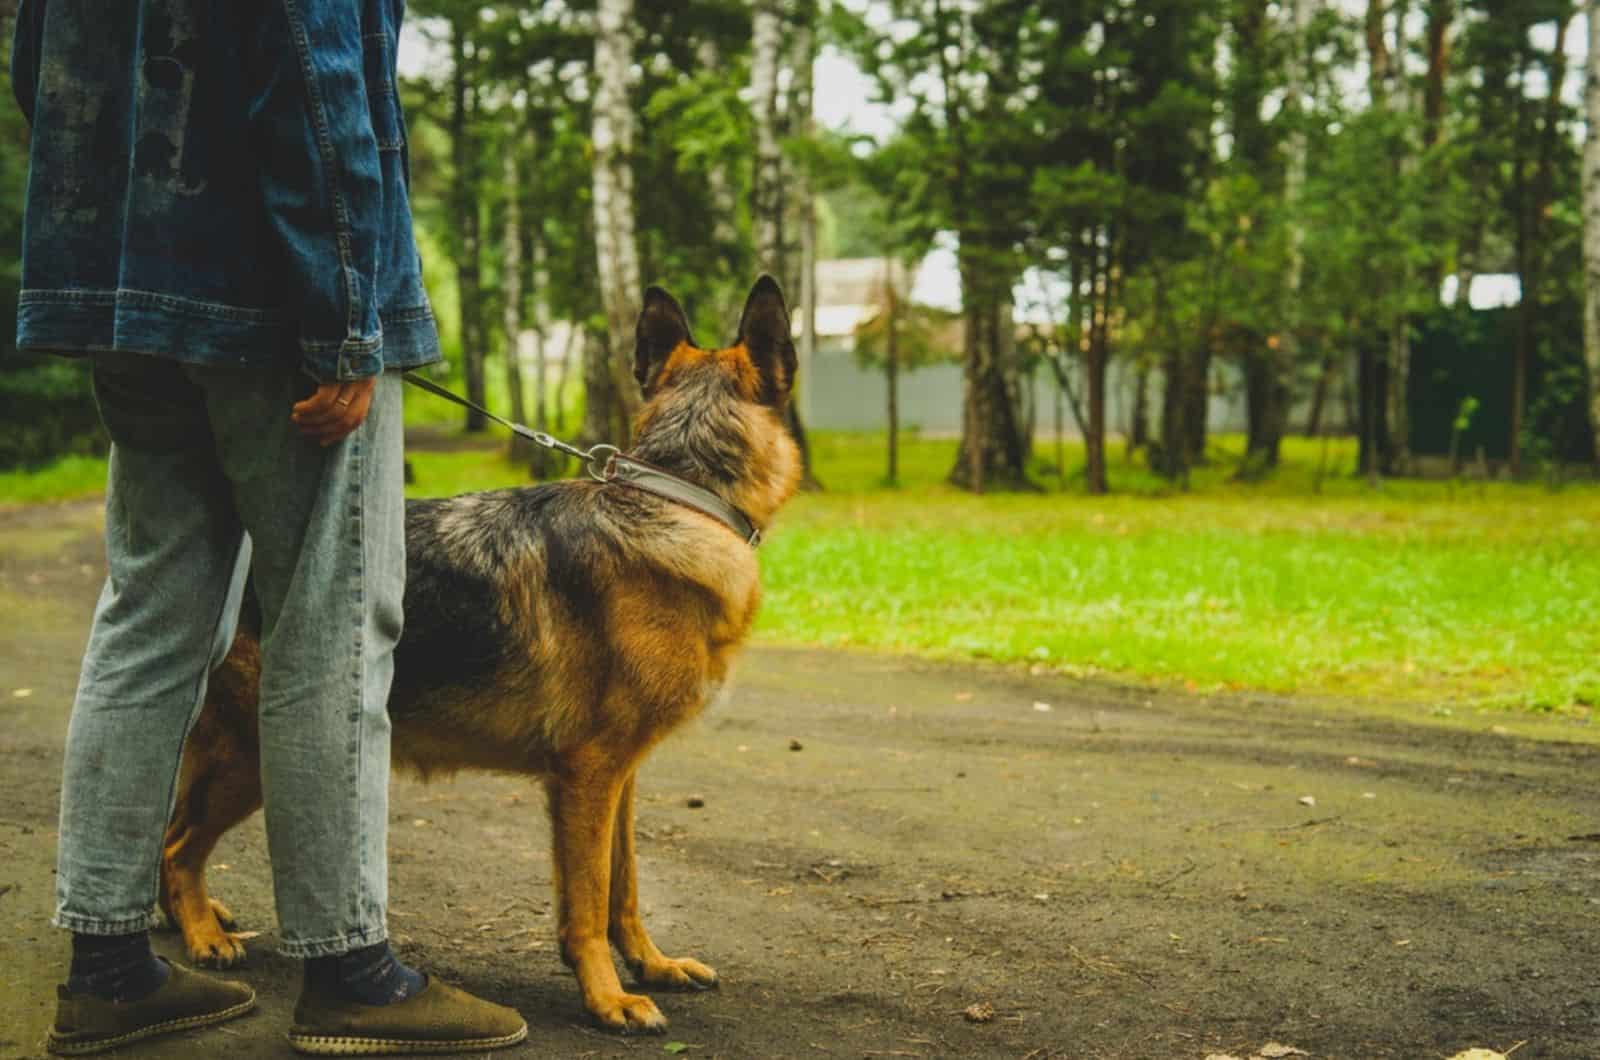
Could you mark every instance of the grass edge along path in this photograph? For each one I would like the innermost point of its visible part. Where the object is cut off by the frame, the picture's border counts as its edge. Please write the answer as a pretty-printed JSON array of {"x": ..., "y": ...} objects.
[{"x": 1455, "y": 596}]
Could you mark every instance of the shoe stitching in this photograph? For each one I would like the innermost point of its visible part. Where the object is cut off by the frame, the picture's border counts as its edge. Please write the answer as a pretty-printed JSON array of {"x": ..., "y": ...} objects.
[
  {"x": 313, "y": 1042},
  {"x": 87, "y": 1044}
]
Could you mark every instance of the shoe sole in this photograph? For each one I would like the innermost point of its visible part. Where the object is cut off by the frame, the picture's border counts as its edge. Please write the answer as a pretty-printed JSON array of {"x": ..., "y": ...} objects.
[
  {"x": 82, "y": 1046},
  {"x": 344, "y": 1045}
]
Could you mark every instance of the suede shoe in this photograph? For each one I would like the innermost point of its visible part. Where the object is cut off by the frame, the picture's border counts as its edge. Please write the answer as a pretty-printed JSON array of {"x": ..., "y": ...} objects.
[
  {"x": 87, "y": 1024},
  {"x": 437, "y": 1019}
]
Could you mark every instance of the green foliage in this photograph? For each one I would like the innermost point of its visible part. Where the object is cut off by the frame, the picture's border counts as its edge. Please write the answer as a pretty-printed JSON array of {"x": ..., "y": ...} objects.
[
  {"x": 1461, "y": 363},
  {"x": 13, "y": 178},
  {"x": 50, "y": 411},
  {"x": 850, "y": 223},
  {"x": 1141, "y": 154},
  {"x": 63, "y": 479}
]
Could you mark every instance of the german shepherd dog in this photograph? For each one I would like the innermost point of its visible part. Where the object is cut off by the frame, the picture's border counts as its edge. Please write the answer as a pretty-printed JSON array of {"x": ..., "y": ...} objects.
[{"x": 559, "y": 631}]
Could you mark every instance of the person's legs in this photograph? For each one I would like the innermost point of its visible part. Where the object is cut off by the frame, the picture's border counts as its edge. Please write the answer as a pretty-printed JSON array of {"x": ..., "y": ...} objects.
[
  {"x": 172, "y": 540},
  {"x": 327, "y": 526},
  {"x": 174, "y": 554},
  {"x": 329, "y": 567},
  {"x": 328, "y": 529}
]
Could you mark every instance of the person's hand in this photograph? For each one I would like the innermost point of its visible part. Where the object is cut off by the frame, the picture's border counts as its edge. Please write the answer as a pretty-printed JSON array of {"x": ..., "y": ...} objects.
[{"x": 334, "y": 410}]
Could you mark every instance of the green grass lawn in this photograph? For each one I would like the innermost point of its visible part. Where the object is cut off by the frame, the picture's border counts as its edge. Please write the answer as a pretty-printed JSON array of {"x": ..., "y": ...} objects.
[
  {"x": 70, "y": 478},
  {"x": 1452, "y": 595}
]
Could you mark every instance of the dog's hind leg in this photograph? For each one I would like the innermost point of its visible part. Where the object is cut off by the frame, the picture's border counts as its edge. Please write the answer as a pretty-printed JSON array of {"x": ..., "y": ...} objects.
[
  {"x": 584, "y": 794},
  {"x": 647, "y": 963},
  {"x": 219, "y": 785}
]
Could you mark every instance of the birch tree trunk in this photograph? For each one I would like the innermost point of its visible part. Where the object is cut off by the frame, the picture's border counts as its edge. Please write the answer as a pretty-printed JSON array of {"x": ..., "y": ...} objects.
[
  {"x": 766, "y": 31},
  {"x": 613, "y": 395},
  {"x": 724, "y": 214},
  {"x": 1591, "y": 220},
  {"x": 802, "y": 61},
  {"x": 511, "y": 292},
  {"x": 777, "y": 217},
  {"x": 799, "y": 207}
]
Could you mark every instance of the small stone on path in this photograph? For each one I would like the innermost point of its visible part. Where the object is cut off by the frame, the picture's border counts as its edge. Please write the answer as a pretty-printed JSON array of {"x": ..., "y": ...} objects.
[{"x": 982, "y": 1012}]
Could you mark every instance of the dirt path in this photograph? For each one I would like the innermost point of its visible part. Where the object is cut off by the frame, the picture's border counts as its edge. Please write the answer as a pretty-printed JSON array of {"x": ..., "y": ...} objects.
[{"x": 1117, "y": 875}]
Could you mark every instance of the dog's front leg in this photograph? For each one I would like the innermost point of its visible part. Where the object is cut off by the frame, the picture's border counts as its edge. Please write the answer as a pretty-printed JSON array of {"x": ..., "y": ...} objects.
[
  {"x": 583, "y": 798},
  {"x": 219, "y": 785},
  {"x": 647, "y": 963}
]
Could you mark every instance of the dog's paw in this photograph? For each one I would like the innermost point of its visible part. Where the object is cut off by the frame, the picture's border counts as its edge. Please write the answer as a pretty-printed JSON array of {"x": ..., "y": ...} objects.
[
  {"x": 224, "y": 917},
  {"x": 213, "y": 943},
  {"x": 629, "y": 1013},
  {"x": 675, "y": 973},
  {"x": 217, "y": 949},
  {"x": 209, "y": 937}
]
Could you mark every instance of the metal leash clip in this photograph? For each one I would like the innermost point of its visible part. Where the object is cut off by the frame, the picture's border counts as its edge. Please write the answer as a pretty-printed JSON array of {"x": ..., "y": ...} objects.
[
  {"x": 606, "y": 463},
  {"x": 606, "y": 471},
  {"x": 597, "y": 460}
]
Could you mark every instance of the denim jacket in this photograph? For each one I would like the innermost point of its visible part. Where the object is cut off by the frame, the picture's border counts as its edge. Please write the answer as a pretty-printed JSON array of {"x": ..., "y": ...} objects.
[{"x": 219, "y": 181}]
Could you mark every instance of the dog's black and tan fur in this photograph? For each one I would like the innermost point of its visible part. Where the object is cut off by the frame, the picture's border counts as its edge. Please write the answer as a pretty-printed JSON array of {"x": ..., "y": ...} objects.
[{"x": 559, "y": 631}]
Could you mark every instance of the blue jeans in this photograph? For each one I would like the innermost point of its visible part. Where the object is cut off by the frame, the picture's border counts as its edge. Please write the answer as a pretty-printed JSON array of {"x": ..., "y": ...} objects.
[{"x": 201, "y": 457}]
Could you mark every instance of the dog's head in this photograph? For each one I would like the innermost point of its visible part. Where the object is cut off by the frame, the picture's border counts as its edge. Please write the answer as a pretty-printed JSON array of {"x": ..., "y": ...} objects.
[
  {"x": 716, "y": 416},
  {"x": 760, "y": 363}
]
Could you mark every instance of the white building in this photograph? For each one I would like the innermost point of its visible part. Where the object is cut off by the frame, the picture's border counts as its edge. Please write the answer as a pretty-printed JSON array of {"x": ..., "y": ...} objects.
[{"x": 837, "y": 392}]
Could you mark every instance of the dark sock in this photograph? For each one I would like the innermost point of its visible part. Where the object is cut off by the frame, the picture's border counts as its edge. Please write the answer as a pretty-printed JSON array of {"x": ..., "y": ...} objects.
[
  {"x": 115, "y": 967},
  {"x": 372, "y": 975}
]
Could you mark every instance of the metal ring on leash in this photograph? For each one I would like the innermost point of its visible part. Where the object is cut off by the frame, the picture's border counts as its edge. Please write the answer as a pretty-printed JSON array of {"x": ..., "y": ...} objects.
[
  {"x": 606, "y": 463},
  {"x": 600, "y": 458}
]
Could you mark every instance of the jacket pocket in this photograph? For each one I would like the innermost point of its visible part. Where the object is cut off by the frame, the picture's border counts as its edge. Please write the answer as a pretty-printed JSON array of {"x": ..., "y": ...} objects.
[{"x": 378, "y": 54}]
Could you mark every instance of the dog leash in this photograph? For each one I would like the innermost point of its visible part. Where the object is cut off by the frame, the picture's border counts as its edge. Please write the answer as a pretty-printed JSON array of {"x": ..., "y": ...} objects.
[{"x": 607, "y": 464}]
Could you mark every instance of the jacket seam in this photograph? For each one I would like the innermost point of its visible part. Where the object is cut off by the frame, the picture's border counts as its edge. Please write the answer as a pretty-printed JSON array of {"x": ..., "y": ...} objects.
[
  {"x": 382, "y": 36},
  {"x": 133, "y": 296},
  {"x": 319, "y": 117},
  {"x": 353, "y": 347},
  {"x": 386, "y": 96},
  {"x": 189, "y": 306},
  {"x": 197, "y": 308}
]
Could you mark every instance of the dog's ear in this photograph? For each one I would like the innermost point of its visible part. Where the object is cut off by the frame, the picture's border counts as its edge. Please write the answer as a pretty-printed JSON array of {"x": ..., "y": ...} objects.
[
  {"x": 662, "y": 327},
  {"x": 764, "y": 331}
]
